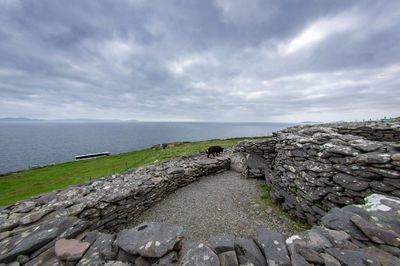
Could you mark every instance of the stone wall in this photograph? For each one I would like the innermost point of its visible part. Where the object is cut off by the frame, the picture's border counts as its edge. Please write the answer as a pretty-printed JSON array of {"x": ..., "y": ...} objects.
[
  {"x": 314, "y": 168},
  {"x": 354, "y": 235},
  {"x": 111, "y": 202}
]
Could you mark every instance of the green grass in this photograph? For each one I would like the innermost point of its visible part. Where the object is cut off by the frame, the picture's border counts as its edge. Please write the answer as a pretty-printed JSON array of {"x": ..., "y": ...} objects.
[{"x": 24, "y": 184}]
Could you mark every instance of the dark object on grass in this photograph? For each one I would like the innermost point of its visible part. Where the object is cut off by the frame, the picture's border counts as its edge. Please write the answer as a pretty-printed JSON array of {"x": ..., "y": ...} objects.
[{"x": 214, "y": 150}]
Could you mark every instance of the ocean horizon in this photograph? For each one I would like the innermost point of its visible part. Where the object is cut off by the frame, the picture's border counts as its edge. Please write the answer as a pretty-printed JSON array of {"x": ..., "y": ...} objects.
[{"x": 28, "y": 144}]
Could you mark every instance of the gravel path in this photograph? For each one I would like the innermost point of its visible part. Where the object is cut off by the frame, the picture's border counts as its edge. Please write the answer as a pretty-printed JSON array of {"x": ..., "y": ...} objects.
[{"x": 219, "y": 204}]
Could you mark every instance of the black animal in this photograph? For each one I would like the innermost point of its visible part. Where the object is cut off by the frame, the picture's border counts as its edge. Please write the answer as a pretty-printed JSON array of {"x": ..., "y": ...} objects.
[{"x": 214, "y": 150}]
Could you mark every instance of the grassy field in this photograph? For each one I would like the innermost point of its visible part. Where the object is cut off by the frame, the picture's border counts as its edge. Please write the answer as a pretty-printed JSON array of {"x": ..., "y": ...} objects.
[{"x": 21, "y": 185}]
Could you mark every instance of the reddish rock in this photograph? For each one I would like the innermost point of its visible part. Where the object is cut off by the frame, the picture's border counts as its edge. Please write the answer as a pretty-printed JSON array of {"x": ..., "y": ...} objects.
[
  {"x": 70, "y": 249},
  {"x": 396, "y": 157}
]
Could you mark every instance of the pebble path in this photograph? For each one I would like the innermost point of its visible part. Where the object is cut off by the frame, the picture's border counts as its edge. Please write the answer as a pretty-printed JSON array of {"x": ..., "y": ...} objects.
[{"x": 220, "y": 204}]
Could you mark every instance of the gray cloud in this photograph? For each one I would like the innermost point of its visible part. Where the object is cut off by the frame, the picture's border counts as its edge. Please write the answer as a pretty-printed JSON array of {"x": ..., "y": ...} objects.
[{"x": 200, "y": 60}]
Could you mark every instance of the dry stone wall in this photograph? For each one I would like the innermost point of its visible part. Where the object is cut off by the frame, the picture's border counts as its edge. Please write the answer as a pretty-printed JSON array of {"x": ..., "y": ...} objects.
[{"x": 314, "y": 168}]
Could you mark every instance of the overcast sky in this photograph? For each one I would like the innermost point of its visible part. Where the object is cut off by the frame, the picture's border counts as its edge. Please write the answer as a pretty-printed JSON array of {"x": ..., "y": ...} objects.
[{"x": 239, "y": 60}]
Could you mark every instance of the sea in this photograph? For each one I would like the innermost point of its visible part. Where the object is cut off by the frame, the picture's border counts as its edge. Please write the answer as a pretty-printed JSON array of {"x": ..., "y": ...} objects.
[{"x": 25, "y": 145}]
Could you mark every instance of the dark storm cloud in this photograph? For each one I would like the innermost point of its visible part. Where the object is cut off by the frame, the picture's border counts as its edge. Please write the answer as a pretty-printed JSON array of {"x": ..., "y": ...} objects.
[{"x": 200, "y": 60}]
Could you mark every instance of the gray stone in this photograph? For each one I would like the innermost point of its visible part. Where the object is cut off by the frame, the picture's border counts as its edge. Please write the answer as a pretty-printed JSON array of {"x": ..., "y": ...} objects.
[
  {"x": 298, "y": 260},
  {"x": 339, "y": 219},
  {"x": 343, "y": 150},
  {"x": 228, "y": 258},
  {"x": 25, "y": 206},
  {"x": 150, "y": 239},
  {"x": 273, "y": 247},
  {"x": 353, "y": 258},
  {"x": 171, "y": 259},
  {"x": 116, "y": 263},
  {"x": 312, "y": 239},
  {"x": 317, "y": 167},
  {"x": 392, "y": 181},
  {"x": 175, "y": 171},
  {"x": 309, "y": 255},
  {"x": 18, "y": 245},
  {"x": 373, "y": 157},
  {"x": 222, "y": 243},
  {"x": 381, "y": 186},
  {"x": 125, "y": 256},
  {"x": 375, "y": 233},
  {"x": 248, "y": 252},
  {"x": 199, "y": 254},
  {"x": 364, "y": 145},
  {"x": 350, "y": 182},
  {"x": 238, "y": 162},
  {"x": 329, "y": 260},
  {"x": 99, "y": 251},
  {"x": 384, "y": 258}
]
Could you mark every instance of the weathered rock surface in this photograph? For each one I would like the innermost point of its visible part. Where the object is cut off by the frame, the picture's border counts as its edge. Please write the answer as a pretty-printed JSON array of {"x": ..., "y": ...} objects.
[
  {"x": 199, "y": 254},
  {"x": 248, "y": 252},
  {"x": 70, "y": 249},
  {"x": 150, "y": 239},
  {"x": 273, "y": 247}
]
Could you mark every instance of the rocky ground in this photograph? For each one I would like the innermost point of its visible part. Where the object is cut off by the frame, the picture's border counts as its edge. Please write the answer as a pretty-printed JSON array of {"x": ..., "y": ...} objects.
[{"x": 220, "y": 204}]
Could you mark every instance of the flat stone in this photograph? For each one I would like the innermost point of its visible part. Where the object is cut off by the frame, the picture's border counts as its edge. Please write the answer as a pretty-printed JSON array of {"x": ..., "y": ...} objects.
[
  {"x": 8, "y": 224},
  {"x": 313, "y": 239},
  {"x": 273, "y": 247},
  {"x": 384, "y": 258},
  {"x": 248, "y": 252},
  {"x": 309, "y": 255},
  {"x": 375, "y": 233},
  {"x": 351, "y": 257},
  {"x": 339, "y": 219},
  {"x": 117, "y": 263},
  {"x": 228, "y": 258},
  {"x": 175, "y": 171},
  {"x": 364, "y": 145},
  {"x": 33, "y": 216},
  {"x": 25, "y": 206},
  {"x": 222, "y": 243},
  {"x": 70, "y": 249},
  {"x": 392, "y": 181},
  {"x": 150, "y": 239},
  {"x": 373, "y": 157},
  {"x": 350, "y": 182},
  {"x": 329, "y": 260},
  {"x": 339, "y": 149},
  {"x": 380, "y": 186},
  {"x": 199, "y": 254},
  {"x": 317, "y": 167},
  {"x": 19, "y": 245}
]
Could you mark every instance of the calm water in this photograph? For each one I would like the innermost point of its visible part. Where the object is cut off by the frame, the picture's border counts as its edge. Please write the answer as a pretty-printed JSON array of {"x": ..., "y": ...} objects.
[{"x": 25, "y": 144}]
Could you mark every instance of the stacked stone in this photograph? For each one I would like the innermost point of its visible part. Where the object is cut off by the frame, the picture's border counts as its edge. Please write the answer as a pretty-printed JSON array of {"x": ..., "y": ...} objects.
[
  {"x": 354, "y": 235},
  {"x": 316, "y": 169},
  {"x": 382, "y": 130},
  {"x": 252, "y": 157},
  {"x": 108, "y": 203}
]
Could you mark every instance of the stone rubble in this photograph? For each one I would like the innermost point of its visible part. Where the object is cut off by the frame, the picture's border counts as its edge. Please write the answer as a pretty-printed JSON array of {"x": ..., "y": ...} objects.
[{"x": 344, "y": 179}]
